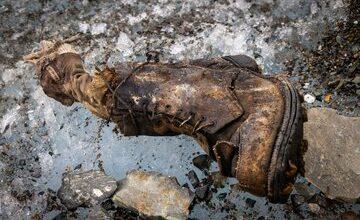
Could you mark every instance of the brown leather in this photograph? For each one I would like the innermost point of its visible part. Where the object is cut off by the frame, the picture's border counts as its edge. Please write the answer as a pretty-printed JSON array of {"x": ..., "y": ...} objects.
[
  {"x": 196, "y": 95},
  {"x": 169, "y": 90},
  {"x": 224, "y": 103}
]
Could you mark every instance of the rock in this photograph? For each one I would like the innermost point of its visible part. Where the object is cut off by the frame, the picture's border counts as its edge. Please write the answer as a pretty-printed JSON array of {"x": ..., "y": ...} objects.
[
  {"x": 124, "y": 44},
  {"x": 304, "y": 190},
  {"x": 202, "y": 191},
  {"x": 97, "y": 212},
  {"x": 250, "y": 202},
  {"x": 332, "y": 161},
  {"x": 297, "y": 200},
  {"x": 153, "y": 194},
  {"x": 91, "y": 187},
  {"x": 350, "y": 215},
  {"x": 356, "y": 80},
  {"x": 193, "y": 178},
  {"x": 314, "y": 208},
  {"x": 327, "y": 97},
  {"x": 124, "y": 213},
  {"x": 309, "y": 98},
  {"x": 218, "y": 179},
  {"x": 108, "y": 205},
  {"x": 83, "y": 27},
  {"x": 319, "y": 199},
  {"x": 202, "y": 162},
  {"x": 306, "y": 85}
]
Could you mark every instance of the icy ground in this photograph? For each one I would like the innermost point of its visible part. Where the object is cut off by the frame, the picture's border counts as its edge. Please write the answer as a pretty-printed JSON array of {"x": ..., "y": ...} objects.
[{"x": 40, "y": 138}]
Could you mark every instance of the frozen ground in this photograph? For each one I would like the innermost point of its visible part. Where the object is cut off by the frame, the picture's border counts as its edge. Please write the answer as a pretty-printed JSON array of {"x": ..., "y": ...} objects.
[{"x": 41, "y": 138}]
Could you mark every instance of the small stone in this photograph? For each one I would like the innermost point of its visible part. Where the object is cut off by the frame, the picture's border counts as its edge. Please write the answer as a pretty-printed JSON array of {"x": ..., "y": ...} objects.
[
  {"x": 304, "y": 190},
  {"x": 153, "y": 194},
  {"x": 97, "y": 212},
  {"x": 108, "y": 205},
  {"x": 193, "y": 178},
  {"x": 306, "y": 85},
  {"x": 320, "y": 200},
  {"x": 83, "y": 27},
  {"x": 85, "y": 188},
  {"x": 250, "y": 202},
  {"x": 218, "y": 179},
  {"x": 309, "y": 98},
  {"x": 202, "y": 191},
  {"x": 350, "y": 215},
  {"x": 202, "y": 162},
  {"x": 327, "y": 97},
  {"x": 297, "y": 200},
  {"x": 222, "y": 196},
  {"x": 356, "y": 80},
  {"x": 314, "y": 208}
]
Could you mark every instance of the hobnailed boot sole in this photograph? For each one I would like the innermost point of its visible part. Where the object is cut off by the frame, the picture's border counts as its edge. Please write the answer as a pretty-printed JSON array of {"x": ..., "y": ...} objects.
[{"x": 286, "y": 159}]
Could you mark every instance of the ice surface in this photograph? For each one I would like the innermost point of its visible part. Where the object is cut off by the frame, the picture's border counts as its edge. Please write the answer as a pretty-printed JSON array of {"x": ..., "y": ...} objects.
[{"x": 54, "y": 137}]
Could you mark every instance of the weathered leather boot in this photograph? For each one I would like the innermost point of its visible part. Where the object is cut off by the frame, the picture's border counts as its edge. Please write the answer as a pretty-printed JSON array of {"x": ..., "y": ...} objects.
[{"x": 250, "y": 124}]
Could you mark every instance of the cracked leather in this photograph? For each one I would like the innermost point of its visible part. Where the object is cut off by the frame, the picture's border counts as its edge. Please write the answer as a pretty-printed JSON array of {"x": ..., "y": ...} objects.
[{"x": 233, "y": 112}]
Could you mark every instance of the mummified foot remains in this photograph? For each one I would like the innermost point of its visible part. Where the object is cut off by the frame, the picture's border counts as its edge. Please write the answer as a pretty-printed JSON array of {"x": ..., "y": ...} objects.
[{"x": 250, "y": 124}]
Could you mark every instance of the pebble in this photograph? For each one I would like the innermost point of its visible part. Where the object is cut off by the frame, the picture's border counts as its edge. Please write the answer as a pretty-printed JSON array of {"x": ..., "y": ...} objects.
[
  {"x": 304, "y": 190},
  {"x": 202, "y": 192},
  {"x": 202, "y": 162},
  {"x": 193, "y": 178},
  {"x": 314, "y": 208},
  {"x": 306, "y": 85},
  {"x": 309, "y": 98},
  {"x": 83, "y": 27},
  {"x": 250, "y": 202},
  {"x": 327, "y": 97}
]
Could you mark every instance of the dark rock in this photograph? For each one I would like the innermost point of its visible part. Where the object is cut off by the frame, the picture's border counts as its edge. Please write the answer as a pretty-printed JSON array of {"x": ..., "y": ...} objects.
[
  {"x": 303, "y": 210},
  {"x": 305, "y": 190},
  {"x": 97, "y": 212},
  {"x": 193, "y": 178},
  {"x": 124, "y": 213},
  {"x": 86, "y": 188},
  {"x": 78, "y": 167},
  {"x": 320, "y": 200},
  {"x": 202, "y": 191},
  {"x": 297, "y": 200},
  {"x": 202, "y": 162},
  {"x": 222, "y": 196},
  {"x": 250, "y": 202},
  {"x": 108, "y": 205},
  {"x": 60, "y": 216},
  {"x": 349, "y": 216},
  {"x": 217, "y": 179}
]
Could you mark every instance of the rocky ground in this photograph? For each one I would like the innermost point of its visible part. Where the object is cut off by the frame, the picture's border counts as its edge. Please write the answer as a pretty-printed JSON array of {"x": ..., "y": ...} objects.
[{"x": 315, "y": 42}]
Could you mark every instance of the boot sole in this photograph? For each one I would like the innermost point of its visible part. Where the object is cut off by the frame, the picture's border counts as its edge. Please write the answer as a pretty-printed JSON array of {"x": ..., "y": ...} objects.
[{"x": 286, "y": 159}]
